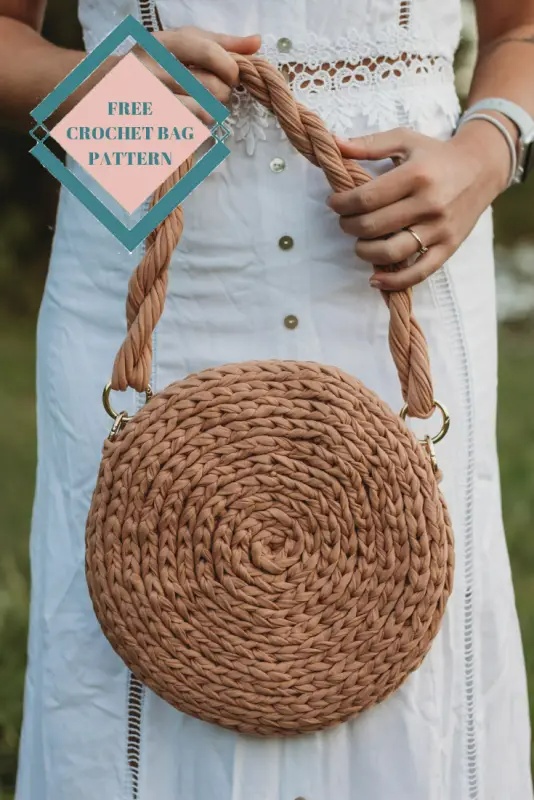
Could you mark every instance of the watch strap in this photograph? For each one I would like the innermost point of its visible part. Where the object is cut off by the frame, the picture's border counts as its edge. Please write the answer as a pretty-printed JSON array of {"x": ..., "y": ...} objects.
[{"x": 521, "y": 118}]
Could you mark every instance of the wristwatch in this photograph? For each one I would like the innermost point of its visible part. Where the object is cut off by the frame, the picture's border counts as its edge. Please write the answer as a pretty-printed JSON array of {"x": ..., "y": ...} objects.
[{"x": 524, "y": 124}]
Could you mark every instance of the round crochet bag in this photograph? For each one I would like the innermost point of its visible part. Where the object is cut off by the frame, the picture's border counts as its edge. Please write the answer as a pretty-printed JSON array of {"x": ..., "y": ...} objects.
[{"x": 267, "y": 547}]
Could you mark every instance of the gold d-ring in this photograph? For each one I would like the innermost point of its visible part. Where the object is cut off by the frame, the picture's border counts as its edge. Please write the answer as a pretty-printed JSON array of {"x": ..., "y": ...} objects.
[
  {"x": 445, "y": 424},
  {"x": 122, "y": 414}
]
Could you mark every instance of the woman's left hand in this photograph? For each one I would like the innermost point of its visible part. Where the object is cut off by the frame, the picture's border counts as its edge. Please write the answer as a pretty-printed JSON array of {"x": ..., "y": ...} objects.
[{"x": 439, "y": 189}]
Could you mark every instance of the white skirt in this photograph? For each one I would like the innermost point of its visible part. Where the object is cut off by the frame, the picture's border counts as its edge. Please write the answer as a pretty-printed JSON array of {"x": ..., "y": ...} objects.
[{"x": 458, "y": 729}]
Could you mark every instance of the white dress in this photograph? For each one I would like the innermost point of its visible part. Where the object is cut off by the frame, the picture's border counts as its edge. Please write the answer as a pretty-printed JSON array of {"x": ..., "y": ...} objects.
[{"x": 458, "y": 729}]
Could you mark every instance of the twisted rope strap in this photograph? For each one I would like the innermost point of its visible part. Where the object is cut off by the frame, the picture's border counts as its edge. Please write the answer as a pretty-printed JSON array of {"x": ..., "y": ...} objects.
[
  {"x": 307, "y": 133},
  {"x": 267, "y": 547}
]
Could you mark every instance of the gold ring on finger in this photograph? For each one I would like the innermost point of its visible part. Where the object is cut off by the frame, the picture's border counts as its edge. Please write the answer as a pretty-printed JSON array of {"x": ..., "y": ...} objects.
[{"x": 422, "y": 248}]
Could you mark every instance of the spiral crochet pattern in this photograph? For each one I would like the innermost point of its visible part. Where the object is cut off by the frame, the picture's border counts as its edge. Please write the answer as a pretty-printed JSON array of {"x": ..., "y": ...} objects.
[{"x": 267, "y": 547}]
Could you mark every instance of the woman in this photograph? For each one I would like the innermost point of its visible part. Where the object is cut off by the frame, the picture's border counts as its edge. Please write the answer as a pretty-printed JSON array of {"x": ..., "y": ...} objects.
[{"x": 264, "y": 271}]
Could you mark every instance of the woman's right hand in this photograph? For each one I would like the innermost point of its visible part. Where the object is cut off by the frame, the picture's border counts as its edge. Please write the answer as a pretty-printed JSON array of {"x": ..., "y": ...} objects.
[{"x": 207, "y": 55}]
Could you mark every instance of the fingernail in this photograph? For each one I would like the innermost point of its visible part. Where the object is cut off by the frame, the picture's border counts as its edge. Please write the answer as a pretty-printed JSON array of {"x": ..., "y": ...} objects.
[{"x": 375, "y": 283}]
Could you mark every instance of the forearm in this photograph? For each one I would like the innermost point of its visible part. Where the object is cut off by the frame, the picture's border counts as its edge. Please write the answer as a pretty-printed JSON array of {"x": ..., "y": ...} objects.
[
  {"x": 30, "y": 67},
  {"x": 504, "y": 68}
]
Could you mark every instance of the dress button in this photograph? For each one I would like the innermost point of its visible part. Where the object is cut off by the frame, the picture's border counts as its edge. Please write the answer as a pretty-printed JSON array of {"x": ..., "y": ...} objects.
[
  {"x": 277, "y": 165},
  {"x": 284, "y": 44},
  {"x": 285, "y": 243},
  {"x": 291, "y": 322}
]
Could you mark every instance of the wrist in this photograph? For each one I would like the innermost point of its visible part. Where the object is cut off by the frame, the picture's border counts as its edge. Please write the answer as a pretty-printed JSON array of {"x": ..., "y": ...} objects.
[{"x": 486, "y": 145}]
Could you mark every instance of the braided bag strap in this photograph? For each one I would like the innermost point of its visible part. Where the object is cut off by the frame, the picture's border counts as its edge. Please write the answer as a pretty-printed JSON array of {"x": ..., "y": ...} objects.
[{"x": 308, "y": 134}]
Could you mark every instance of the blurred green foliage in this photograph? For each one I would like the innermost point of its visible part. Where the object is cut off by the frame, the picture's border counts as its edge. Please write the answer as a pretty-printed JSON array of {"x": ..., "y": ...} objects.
[
  {"x": 29, "y": 195},
  {"x": 17, "y": 467},
  {"x": 28, "y": 199}
]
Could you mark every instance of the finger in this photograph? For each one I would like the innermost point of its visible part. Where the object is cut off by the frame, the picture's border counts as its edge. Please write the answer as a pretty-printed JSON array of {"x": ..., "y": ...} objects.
[
  {"x": 406, "y": 277},
  {"x": 400, "y": 246},
  {"x": 201, "y": 50},
  {"x": 386, "y": 220},
  {"x": 245, "y": 45},
  {"x": 384, "y": 190},
  {"x": 162, "y": 74},
  {"x": 397, "y": 142},
  {"x": 213, "y": 84},
  {"x": 196, "y": 109}
]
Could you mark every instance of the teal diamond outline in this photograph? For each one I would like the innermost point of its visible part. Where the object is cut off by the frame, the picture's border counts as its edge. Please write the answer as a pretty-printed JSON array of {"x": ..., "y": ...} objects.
[
  {"x": 132, "y": 237},
  {"x": 41, "y": 127}
]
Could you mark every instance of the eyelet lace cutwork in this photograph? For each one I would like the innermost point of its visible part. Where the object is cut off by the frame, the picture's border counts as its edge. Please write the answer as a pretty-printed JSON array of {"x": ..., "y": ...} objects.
[
  {"x": 349, "y": 78},
  {"x": 136, "y": 694},
  {"x": 148, "y": 15},
  {"x": 404, "y": 13}
]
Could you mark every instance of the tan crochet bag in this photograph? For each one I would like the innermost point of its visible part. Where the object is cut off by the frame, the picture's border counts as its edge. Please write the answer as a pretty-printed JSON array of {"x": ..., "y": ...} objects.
[{"x": 267, "y": 547}]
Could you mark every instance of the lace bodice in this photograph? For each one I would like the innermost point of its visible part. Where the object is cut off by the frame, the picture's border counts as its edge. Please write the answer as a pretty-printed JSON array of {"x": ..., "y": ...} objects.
[
  {"x": 388, "y": 61},
  {"x": 384, "y": 85}
]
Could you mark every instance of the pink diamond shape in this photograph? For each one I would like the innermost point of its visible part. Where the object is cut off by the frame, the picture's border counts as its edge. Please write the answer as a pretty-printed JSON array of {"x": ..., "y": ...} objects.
[{"x": 133, "y": 173}]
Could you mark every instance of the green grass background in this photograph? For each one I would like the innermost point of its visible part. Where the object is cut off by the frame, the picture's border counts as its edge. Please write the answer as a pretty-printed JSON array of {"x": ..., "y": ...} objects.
[{"x": 17, "y": 466}]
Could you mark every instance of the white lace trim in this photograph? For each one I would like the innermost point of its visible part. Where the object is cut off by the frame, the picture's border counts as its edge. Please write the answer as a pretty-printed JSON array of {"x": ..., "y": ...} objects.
[
  {"x": 356, "y": 45},
  {"x": 351, "y": 77}
]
